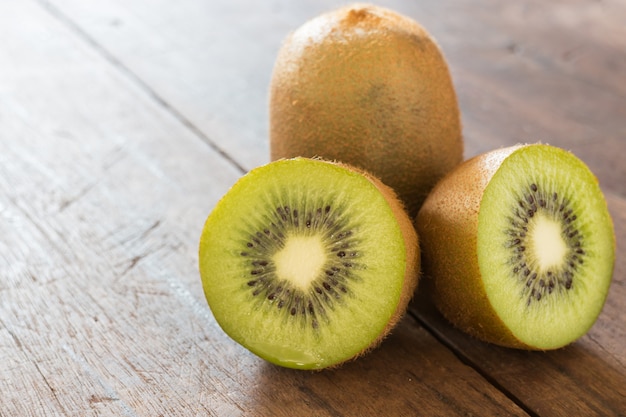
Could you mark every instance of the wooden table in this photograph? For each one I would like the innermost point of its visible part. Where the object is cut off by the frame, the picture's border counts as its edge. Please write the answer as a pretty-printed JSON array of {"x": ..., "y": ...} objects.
[{"x": 122, "y": 122}]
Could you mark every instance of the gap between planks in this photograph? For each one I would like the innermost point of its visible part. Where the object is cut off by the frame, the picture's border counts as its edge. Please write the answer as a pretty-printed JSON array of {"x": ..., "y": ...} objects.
[{"x": 127, "y": 72}]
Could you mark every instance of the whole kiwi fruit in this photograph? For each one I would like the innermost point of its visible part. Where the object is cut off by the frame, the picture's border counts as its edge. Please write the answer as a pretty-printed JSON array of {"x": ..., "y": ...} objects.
[
  {"x": 369, "y": 87},
  {"x": 308, "y": 263},
  {"x": 518, "y": 247}
]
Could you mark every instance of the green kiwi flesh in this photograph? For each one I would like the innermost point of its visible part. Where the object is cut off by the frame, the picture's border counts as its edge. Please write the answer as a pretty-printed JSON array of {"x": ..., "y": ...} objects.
[
  {"x": 532, "y": 247},
  {"x": 308, "y": 263}
]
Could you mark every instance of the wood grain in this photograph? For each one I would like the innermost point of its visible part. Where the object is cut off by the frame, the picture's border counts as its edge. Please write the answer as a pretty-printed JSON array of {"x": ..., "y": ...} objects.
[
  {"x": 525, "y": 71},
  {"x": 123, "y": 122},
  {"x": 545, "y": 71},
  {"x": 103, "y": 193}
]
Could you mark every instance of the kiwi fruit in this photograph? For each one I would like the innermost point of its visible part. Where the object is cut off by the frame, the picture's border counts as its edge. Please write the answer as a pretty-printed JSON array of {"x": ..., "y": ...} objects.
[
  {"x": 371, "y": 88},
  {"x": 308, "y": 263},
  {"x": 518, "y": 247}
]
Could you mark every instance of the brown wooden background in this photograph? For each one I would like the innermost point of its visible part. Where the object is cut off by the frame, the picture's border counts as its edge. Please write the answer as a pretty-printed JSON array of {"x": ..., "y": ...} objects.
[{"x": 122, "y": 122}]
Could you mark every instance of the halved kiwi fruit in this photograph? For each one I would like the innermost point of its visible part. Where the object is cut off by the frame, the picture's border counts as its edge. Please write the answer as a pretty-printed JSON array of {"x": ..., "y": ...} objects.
[
  {"x": 308, "y": 263},
  {"x": 519, "y": 245}
]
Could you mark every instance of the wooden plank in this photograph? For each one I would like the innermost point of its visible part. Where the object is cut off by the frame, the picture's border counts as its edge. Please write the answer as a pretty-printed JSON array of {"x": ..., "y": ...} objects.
[
  {"x": 525, "y": 71},
  {"x": 212, "y": 71},
  {"x": 551, "y": 72},
  {"x": 554, "y": 83},
  {"x": 544, "y": 71},
  {"x": 509, "y": 80},
  {"x": 86, "y": 180},
  {"x": 103, "y": 193}
]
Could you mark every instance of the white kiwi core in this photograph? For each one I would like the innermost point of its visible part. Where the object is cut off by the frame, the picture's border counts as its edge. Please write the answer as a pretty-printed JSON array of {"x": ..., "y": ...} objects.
[
  {"x": 547, "y": 243},
  {"x": 301, "y": 260}
]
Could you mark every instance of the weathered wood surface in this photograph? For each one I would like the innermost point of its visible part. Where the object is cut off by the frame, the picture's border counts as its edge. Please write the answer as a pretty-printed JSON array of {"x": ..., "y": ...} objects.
[{"x": 123, "y": 122}]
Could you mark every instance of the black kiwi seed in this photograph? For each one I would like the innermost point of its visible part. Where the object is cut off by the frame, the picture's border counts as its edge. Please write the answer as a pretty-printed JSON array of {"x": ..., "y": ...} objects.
[
  {"x": 539, "y": 284},
  {"x": 334, "y": 281}
]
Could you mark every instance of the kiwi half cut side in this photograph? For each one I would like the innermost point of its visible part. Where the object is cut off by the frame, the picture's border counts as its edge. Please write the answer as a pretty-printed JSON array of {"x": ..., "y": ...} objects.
[
  {"x": 308, "y": 263},
  {"x": 519, "y": 246}
]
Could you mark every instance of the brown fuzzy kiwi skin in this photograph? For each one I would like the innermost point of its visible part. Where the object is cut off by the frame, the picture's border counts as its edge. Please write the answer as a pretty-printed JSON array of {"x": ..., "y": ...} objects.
[
  {"x": 371, "y": 88},
  {"x": 412, "y": 250},
  {"x": 447, "y": 225}
]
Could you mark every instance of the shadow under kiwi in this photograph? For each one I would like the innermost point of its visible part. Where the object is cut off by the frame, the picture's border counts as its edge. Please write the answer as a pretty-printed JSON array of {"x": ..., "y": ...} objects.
[
  {"x": 582, "y": 378},
  {"x": 408, "y": 370}
]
